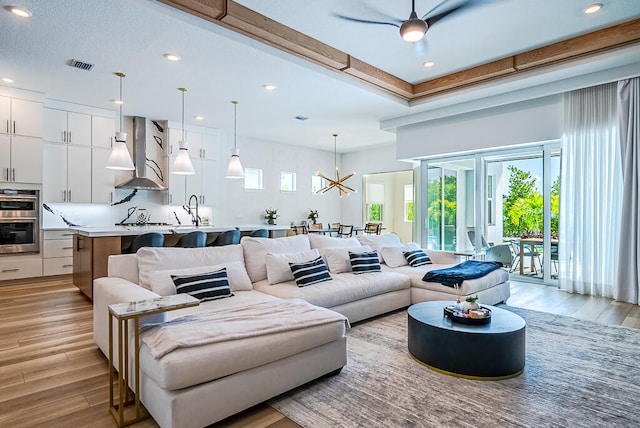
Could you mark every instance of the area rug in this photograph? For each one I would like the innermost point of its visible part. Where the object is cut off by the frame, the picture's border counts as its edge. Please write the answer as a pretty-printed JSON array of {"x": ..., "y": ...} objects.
[{"x": 577, "y": 374}]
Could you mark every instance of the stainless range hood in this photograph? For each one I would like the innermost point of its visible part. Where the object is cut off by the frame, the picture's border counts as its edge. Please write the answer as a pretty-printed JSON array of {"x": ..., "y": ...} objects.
[{"x": 139, "y": 180}]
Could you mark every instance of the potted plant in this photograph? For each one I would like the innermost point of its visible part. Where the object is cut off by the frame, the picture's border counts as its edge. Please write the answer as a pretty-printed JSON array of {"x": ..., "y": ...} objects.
[
  {"x": 313, "y": 215},
  {"x": 271, "y": 216},
  {"x": 470, "y": 304}
]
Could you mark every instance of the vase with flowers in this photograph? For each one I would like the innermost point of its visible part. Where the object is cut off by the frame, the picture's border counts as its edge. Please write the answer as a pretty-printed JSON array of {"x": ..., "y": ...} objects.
[
  {"x": 313, "y": 215},
  {"x": 271, "y": 215}
]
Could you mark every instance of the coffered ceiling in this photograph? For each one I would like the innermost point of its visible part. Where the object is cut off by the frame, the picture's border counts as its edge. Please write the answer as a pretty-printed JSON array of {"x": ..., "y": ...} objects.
[{"x": 346, "y": 77}]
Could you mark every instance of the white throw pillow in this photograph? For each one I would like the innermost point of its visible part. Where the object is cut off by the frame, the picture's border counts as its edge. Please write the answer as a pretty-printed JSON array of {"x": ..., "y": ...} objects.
[
  {"x": 151, "y": 259},
  {"x": 278, "y": 269},
  {"x": 394, "y": 256},
  {"x": 321, "y": 241},
  {"x": 255, "y": 250},
  {"x": 377, "y": 242},
  {"x": 337, "y": 259},
  {"x": 162, "y": 284}
]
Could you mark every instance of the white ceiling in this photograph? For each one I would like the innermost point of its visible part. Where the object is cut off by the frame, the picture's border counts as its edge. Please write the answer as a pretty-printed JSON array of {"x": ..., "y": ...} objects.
[{"x": 219, "y": 66}]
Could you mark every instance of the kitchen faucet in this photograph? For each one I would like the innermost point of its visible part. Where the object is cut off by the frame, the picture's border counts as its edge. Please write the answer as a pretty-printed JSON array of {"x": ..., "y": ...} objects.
[{"x": 194, "y": 219}]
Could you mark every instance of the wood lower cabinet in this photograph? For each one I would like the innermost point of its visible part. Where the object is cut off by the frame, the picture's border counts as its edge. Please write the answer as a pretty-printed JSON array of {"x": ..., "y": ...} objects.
[{"x": 90, "y": 259}]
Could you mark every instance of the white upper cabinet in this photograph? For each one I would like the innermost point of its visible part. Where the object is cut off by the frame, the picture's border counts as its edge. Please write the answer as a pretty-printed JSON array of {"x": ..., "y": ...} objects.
[
  {"x": 20, "y": 159},
  {"x": 67, "y": 173},
  {"x": 102, "y": 178},
  {"x": 102, "y": 131},
  {"x": 67, "y": 127},
  {"x": 20, "y": 117}
]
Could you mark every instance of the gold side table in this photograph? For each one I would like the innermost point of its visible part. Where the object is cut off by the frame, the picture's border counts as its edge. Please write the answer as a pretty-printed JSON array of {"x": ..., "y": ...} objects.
[{"x": 123, "y": 312}]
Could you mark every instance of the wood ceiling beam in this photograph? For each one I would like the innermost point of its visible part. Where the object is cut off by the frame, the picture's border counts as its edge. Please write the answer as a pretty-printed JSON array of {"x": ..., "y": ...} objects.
[{"x": 236, "y": 17}]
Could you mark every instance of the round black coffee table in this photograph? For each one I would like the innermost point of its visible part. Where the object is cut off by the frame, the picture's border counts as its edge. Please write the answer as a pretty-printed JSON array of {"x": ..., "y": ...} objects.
[{"x": 490, "y": 351}]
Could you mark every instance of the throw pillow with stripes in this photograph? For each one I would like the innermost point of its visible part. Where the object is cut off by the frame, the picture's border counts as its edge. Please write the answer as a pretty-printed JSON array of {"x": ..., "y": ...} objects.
[
  {"x": 204, "y": 286},
  {"x": 417, "y": 258},
  {"x": 365, "y": 262},
  {"x": 311, "y": 272}
]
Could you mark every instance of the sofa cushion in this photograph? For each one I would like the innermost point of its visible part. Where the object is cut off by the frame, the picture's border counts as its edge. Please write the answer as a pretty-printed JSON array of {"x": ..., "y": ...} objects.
[
  {"x": 278, "y": 269},
  {"x": 394, "y": 256},
  {"x": 311, "y": 272},
  {"x": 162, "y": 284},
  {"x": 256, "y": 249},
  {"x": 321, "y": 241},
  {"x": 337, "y": 259},
  {"x": 377, "y": 242},
  {"x": 344, "y": 288},
  {"x": 204, "y": 286},
  {"x": 191, "y": 366},
  {"x": 417, "y": 258},
  {"x": 151, "y": 259},
  {"x": 364, "y": 262}
]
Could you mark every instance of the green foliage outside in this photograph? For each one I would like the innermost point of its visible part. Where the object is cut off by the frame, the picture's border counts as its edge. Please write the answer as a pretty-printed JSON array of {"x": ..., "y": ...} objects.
[
  {"x": 409, "y": 211},
  {"x": 375, "y": 212},
  {"x": 523, "y": 206},
  {"x": 435, "y": 207}
]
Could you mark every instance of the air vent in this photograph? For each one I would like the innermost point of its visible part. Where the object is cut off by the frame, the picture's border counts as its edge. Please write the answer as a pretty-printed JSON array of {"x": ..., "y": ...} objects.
[
  {"x": 301, "y": 118},
  {"x": 81, "y": 65}
]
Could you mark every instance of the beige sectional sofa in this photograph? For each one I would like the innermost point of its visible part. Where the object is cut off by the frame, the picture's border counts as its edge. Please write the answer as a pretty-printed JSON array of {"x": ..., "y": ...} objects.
[{"x": 197, "y": 386}]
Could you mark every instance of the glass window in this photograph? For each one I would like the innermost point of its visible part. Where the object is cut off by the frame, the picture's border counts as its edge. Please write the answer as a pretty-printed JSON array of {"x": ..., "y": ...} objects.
[
  {"x": 408, "y": 202},
  {"x": 374, "y": 212},
  {"x": 253, "y": 178},
  {"x": 317, "y": 183},
  {"x": 287, "y": 181}
]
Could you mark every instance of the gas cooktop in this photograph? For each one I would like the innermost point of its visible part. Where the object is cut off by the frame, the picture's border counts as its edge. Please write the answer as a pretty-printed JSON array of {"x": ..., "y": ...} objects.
[{"x": 143, "y": 224}]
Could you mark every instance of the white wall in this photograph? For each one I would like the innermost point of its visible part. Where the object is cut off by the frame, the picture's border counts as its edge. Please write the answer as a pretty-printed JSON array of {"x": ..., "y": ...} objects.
[
  {"x": 367, "y": 161},
  {"x": 518, "y": 123}
]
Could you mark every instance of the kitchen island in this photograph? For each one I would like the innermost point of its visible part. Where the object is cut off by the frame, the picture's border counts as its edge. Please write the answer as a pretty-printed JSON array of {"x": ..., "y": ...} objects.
[{"x": 92, "y": 246}]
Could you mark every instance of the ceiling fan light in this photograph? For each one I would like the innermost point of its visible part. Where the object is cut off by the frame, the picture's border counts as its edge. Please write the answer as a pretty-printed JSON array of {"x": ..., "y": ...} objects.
[{"x": 413, "y": 30}]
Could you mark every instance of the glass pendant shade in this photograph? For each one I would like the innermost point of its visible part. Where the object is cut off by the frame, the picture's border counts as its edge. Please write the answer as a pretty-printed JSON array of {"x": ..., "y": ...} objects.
[
  {"x": 182, "y": 164},
  {"x": 119, "y": 157},
  {"x": 235, "y": 170}
]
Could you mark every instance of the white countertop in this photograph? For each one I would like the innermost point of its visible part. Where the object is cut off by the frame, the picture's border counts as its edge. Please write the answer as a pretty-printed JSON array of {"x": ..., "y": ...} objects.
[{"x": 99, "y": 231}]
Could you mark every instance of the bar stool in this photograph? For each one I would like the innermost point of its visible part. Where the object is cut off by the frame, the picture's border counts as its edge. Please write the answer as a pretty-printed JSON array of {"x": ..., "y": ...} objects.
[
  {"x": 194, "y": 239},
  {"x": 260, "y": 233},
  {"x": 228, "y": 237},
  {"x": 151, "y": 239}
]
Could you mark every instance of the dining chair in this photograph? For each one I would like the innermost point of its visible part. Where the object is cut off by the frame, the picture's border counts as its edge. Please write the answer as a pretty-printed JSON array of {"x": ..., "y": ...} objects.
[
  {"x": 372, "y": 228},
  {"x": 335, "y": 226},
  {"x": 300, "y": 230},
  {"x": 315, "y": 226},
  {"x": 345, "y": 231}
]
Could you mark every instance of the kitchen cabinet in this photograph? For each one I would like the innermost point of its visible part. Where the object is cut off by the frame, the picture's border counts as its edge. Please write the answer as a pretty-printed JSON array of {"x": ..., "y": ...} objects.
[
  {"x": 102, "y": 131},
  {"x": 17, "y": 267},
  {"x": 67, "y": 127},
  {"x": 66, "y": 173},
  {"x": 57, "y": 253},
  {"x": 90, "y": 259},
  {"x": 20, "y": 117},
  {"x": 202, "y": 148},
  {"x": 20, "y": 159},
  {"x": 102, "y": 178}
]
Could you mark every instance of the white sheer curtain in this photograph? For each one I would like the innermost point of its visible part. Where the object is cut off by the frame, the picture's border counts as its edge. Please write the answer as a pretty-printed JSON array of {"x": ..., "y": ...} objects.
[
  {"x": 627, "y": 288},
  {"x": 590, "y": 192}
]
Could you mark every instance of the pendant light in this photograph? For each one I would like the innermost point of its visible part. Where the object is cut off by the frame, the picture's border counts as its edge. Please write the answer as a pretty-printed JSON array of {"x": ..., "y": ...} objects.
[
  {"x": 182, "y": 164},
  {"x": 120, "y": 157},
  {"x": 338, "y": 183},
  {"x": 235, "y": 170}
]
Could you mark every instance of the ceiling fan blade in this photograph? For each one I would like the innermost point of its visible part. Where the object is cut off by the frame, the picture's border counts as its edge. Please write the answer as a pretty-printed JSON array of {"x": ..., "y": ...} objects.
[
  {"x": 432, "y": 20},
  {"x": 366, "y": 21},
  {"x": 424, "y": 17}
]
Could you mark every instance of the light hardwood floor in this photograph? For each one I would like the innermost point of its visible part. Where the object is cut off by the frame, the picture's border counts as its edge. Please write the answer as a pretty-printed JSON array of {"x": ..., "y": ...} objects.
[{"x": 52, "y": 374}]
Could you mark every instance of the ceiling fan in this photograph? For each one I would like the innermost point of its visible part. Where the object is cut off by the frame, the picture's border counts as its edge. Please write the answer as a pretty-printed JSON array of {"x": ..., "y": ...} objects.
[{"x": 412, "y": 29}]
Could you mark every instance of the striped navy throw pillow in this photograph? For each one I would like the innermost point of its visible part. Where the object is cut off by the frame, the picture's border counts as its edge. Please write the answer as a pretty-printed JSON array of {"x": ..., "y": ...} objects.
[
  {"x": 417, "y": 258},
  {"x": 311, "y": 272},
  {"x": 365, "y": 262},
  {"x": 204, "y": 286}
]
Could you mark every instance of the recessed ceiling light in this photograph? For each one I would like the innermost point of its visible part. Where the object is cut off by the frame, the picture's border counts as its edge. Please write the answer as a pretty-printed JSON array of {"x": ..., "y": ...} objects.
[
  {"x": 429, "y": 64},
  {"x": 199, "y": 117},
  {"x": 300, "y": 117},
  {"x": 118, "y": 102},
  {"x": 172, "y": 57},
  {"x": 269, "y": 86},
  {"x": 7, "y": 79},
  {"x": 19, "y": 11},
  {"x": 594, "y": 8}
]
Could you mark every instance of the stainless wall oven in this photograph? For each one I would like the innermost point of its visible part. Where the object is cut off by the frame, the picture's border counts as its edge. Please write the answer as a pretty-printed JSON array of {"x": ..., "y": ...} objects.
[{"x": 19, "y": 221}]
